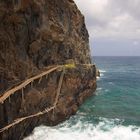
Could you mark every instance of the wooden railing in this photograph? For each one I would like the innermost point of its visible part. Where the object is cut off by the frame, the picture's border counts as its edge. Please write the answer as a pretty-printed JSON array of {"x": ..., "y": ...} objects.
[
  {"x": 46, "y": 110},
  {"x": 25, "y": 83},
  {"x": 12, "y": 91}
]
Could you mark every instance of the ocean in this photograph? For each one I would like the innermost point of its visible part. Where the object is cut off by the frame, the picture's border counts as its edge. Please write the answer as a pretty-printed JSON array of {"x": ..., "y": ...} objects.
[{"x": 112, "y": 114}]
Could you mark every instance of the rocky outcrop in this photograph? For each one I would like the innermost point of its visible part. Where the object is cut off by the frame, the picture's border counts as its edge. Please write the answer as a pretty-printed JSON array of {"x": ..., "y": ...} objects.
[{"x": 36, "y": 34}]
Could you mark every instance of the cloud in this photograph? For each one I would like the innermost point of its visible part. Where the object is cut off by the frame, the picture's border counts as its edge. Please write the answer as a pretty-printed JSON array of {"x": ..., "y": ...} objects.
[
  {"x": 135, "y": 43},
  {"x": 112, "y": 19}
]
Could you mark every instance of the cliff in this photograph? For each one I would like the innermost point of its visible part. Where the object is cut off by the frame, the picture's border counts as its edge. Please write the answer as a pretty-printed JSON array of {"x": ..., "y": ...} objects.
[{"x": 36, "y": 36}]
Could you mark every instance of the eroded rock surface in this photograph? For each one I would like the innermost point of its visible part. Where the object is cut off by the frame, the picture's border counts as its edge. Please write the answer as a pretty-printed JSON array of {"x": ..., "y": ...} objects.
[{"x": 33, "y": 35}]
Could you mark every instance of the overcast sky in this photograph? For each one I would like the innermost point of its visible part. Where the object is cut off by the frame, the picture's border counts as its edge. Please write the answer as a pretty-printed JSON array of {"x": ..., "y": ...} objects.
[{"x": 113, "y": 25}]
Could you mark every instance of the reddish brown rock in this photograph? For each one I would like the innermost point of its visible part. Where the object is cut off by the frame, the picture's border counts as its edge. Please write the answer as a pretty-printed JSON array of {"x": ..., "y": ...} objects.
[{"x": 33, "y": 35}]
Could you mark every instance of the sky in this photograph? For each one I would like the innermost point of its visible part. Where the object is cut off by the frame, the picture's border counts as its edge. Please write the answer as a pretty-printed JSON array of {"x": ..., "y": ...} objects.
[{"x": 113, "y": 26}]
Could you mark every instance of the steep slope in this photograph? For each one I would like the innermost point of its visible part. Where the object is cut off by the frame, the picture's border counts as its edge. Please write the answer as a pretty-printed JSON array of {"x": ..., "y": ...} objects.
[{"x": 35, "y": 35}]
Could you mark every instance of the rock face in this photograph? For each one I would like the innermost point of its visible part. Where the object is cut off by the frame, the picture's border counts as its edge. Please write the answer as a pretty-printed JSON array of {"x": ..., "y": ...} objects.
[{"x": 35, "y": 34}]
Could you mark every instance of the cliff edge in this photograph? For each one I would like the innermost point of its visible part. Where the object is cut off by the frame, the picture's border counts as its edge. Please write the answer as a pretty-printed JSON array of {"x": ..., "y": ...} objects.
[{"x": 37, "y": 36}]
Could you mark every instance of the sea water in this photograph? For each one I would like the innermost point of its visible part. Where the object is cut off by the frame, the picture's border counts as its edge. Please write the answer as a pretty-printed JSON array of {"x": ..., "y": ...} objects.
[{"x": 113, "y": 114}]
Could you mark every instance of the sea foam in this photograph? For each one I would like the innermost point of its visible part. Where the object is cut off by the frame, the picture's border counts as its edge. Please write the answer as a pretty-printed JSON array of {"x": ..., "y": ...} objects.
[
  {"x": 101, "y": 74},
  {"x": 102, "y": 71},
  {"x": 105, "y": 130}
]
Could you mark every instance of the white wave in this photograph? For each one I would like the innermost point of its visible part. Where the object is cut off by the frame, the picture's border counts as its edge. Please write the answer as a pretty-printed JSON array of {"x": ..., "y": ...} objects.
[
  {"x": 101, "y": 74},
  {"x": 111, "y": 83},
  {"x": 102, "y": 71},
  {"x": 98, "y": 78},
  {"x": 81, "y": 113},
  {"x": 106, "y": 90},
  {"x": 99, "y": 88},
  {"x": 105, "y": 130}
]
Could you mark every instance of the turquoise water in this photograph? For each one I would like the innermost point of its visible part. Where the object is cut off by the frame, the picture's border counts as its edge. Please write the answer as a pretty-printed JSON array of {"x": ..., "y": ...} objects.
[
  {"x": 118, "y": 93},
  {"x": 113, "y": 114}
]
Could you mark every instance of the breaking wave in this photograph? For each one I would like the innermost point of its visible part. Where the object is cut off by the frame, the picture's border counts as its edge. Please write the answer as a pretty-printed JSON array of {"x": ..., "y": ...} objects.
[
  {"x": 101, "y": 74},
  {"x": 104, "y": 130}
]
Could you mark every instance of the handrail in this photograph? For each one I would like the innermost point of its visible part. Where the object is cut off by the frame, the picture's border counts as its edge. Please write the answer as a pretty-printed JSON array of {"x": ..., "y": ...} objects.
[
  {"x": 46, "y": 110},
  {"x": 25, "y": 83},
  {"x": 28, "y": 81}
]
